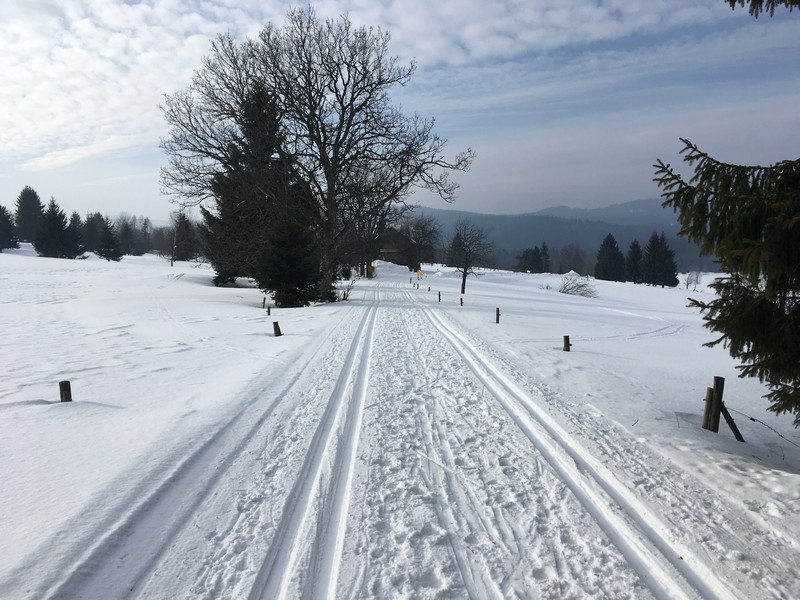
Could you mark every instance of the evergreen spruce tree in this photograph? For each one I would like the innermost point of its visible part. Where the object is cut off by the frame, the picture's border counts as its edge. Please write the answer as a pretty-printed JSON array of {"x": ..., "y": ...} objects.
[
  {"x": 73, "y": 238},
  {"x": 633, "y": 263},
  {"x": 756, "y": 7},
  {"x": 8, "y": 238},
  {"x": 233, "y": 232},
  {"x": 545, "y": 254},
  {"x": 289, "y": 265},
  {"x": 658, "y": 262},
  {"x": 749, "y": 217},
  {"x": 610, "y": 264},
  {"x": 530, "y": 260},
  {"x": 126, "y": 235},
  {"x": 142, "y": 234},
  {"x": 185, "y": 245},
  {"x": 108, "y": 246},
  {"x": 29, "y": 210},
  {"x": 51, "y": 232},
  {"x": 92, "y": 231}
]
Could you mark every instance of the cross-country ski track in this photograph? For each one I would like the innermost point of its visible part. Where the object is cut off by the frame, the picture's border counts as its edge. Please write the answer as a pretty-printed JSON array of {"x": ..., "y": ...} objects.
[{"x": 397, "y": 456}]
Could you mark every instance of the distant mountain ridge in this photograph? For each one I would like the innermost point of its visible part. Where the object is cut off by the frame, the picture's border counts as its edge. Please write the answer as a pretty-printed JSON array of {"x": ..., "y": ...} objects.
[
  {"x": 648, "y": 212},
  {"x": 560, "y": 226}
]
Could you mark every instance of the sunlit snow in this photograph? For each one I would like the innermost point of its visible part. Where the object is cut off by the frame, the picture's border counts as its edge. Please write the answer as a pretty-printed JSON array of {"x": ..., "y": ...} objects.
[{"x": 393, "y": 445}]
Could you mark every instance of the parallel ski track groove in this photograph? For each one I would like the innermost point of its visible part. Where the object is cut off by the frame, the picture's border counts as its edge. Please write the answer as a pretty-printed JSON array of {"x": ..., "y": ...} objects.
[
  {"x": 553, "y": 442},
  {"x": 158, "y": 498},
  {"x": 273, "y": 579}
]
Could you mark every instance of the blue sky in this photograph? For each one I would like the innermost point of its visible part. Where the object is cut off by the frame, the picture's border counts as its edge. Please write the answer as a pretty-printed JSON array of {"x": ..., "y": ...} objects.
[{"x": 566, "y": 102}]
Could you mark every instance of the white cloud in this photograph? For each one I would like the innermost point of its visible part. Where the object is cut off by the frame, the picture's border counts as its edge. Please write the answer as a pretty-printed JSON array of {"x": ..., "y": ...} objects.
[{"x": 551, "y": 80}]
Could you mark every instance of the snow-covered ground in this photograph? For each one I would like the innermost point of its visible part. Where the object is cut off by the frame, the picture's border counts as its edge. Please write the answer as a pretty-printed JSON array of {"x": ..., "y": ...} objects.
[{"x": 388, "y": 446}]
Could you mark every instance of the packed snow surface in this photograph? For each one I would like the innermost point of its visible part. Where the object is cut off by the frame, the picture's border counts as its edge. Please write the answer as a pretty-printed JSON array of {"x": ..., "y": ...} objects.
[{"x": 396, "y": 445}]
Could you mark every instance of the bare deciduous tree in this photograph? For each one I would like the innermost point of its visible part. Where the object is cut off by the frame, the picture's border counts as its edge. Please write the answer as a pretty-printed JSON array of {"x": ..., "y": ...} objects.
[
  {"x": 468, "y": 248},
  {"x": 422, "y": 233},
  {"x": 331, "y": 81}
]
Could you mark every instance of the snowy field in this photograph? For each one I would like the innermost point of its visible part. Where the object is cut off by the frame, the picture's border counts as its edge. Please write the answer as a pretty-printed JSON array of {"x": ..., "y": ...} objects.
[{"x": 391, "y": 446}]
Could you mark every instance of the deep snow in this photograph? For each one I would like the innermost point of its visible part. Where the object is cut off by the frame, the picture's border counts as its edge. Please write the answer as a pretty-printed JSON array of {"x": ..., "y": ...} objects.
[{"x": 388, "y": 446}]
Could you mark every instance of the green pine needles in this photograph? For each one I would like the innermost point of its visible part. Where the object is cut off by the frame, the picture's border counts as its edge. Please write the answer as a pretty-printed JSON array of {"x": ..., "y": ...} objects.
[{"x": 749, "y": 217}]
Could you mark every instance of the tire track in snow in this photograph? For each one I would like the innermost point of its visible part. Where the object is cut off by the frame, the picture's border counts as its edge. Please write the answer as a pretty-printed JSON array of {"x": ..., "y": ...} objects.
[
  {"x": 647, "y": 546},
  {"x": 337, "y": 435}
]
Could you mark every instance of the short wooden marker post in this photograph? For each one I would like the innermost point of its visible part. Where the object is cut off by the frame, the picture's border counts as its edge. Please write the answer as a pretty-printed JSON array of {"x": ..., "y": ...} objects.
[
  {"x": 269, "y": 311},
  {"x": 264, "y": 302},
  {"x": 65, "y": 391},
  {"x": 277, "y": 329},
  {"x": 462, "y": 301},
  {"x": 429, "y": 288},
  {"x": 497, "y": 315},
  {"x": 567, "y": 345},
  {"x": 440, "y": 296}
]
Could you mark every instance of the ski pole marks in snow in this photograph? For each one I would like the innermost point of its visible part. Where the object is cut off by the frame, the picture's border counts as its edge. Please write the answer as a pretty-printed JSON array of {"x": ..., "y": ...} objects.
[
  {"x": 369, "y": 456},
  {"x": 636, "y": 543}
]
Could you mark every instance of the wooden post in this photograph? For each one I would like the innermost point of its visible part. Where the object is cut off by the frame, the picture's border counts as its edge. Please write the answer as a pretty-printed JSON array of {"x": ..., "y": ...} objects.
[
  {"x": 567, "y": 345},
  {"x": 277, "y": 329},
  {"x": 429, "y": 288},
  {"x": 729, "y": 420},
  {"x": 264, "y": 302},
  {"x": 65, "y": 391},
  {"x": 496, "y": 315},
  {"x": 409, "y": 280},
  {"x": 440, "y": 296},
  {"x": 707, "y": 411},
  {"x": 462, "y": 301},
  {"x": 716, "y": 404},
  {"x": 269, "y": 311}
]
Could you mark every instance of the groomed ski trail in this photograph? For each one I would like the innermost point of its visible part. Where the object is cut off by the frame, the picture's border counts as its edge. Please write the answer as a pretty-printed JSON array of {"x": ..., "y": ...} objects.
[
  {"x": 322, "y": 486},
  {"x": 644, "y": 541}
]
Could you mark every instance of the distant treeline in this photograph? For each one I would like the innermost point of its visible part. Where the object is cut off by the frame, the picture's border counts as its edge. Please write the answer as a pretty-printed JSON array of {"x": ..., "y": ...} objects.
[
  {"x": 579, "y": 234},
  {"x": 55, "y": 235}
]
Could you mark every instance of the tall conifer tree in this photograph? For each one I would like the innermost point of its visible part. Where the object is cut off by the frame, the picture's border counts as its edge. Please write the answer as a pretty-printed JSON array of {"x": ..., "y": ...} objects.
[
  {"x": 658, "y": 262},
  {"x": 73, "y": 238},
  {"x": 51, "y": 232},
  {"x": 633, "y": 263},
  {"x": 28, "y": 211},
  {"x": 8, "y": 238},
  {"x": 109, "y": 247},
  {"x": 749, "y": 217},
  {"x": 610, "y": 264}
]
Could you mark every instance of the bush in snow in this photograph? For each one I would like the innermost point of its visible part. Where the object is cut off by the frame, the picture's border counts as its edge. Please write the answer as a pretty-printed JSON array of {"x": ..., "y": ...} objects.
[{"x": 575, "y": 285}]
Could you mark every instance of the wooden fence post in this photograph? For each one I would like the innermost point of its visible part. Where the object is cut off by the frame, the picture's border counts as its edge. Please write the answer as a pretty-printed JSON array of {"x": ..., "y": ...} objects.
[
  {"x": 729, "y": 420},
  {"x": 269, "y": 311},
  {"x": 276, "y": 328},
  {"x": 440, "y": 296},
  {"x": 567, "y": 345},
  {"x": 462, "y": 301},
  {"x": 65, "y": 391},
  {"x": 707, "y": 410},
  {"x": 497, "y": 315},
  {"x": 264, "y": 302},
  {"x": 716, "y": 404}
]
